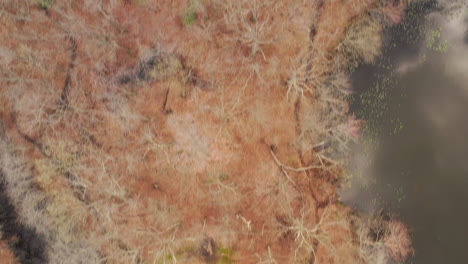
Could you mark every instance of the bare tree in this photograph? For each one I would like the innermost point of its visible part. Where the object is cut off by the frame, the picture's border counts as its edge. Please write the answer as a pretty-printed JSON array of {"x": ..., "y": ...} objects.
[
  {"x": 381, "y": 240},
  {"x": 251, "y": 24},
  {"x": 309, "y": 237},
  {"x": 398, "y": 242},
  {"x": 362, "y": 43}
]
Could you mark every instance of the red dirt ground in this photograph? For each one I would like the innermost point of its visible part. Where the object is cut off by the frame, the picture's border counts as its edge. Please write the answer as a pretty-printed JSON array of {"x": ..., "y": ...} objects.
[{"x": 6, "y": 256}]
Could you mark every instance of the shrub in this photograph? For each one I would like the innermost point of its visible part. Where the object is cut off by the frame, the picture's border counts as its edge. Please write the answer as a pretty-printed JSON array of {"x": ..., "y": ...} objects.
[
  {"x": 308, "y": 236},
  {"x": 190, "y": 16},
  {"x": 362, "y": 43},
  {"x": 46, "y": 4},
  {"x": 251, "y": 23},
  {"x": 380, "y": 239},
  {"x": 398, "y": 242}
]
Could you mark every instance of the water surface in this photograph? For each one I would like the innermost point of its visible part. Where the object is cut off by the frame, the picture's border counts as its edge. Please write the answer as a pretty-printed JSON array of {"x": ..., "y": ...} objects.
[{"x": 417, "y": 168}]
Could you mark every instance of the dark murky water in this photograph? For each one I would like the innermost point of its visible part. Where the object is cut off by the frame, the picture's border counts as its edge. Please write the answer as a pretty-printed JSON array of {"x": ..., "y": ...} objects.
[
  {"x": 421, "y": 173},
  {"x": 417, "y": 168}
]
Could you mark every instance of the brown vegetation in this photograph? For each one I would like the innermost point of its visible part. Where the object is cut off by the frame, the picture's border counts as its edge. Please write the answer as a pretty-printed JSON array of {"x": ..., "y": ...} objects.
[
  {"x": 156, "y": 139},
  {"x": 6, "y": 255}
]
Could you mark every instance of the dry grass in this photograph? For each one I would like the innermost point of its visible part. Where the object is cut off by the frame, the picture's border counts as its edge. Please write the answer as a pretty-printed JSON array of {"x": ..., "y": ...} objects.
[
  {"x": 251, "y": 24},
  {"x": 362, "y": 43},
  {"x": 162, "y": 139}
]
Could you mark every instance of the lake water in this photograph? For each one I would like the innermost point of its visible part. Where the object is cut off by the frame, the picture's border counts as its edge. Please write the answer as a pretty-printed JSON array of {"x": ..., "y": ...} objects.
[{"x": 417, "y": 165}]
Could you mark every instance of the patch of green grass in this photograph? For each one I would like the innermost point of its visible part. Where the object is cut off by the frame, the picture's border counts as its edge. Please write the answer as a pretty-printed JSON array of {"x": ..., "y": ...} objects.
[
  {"x": 225, "y": 251},
  {"x": 225, "y": 260},
  {"x": 223, "y": 176},
  {"x": 179, "y": 254},
  {"x": 225, "y": 255},
  {"x": 190, "y": 16},
  {"x": 169, "y": 258},
  {"x": 46, "y": 4}
]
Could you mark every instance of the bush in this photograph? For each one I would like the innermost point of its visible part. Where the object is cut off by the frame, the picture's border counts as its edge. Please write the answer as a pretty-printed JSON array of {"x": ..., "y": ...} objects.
[
  {"x": 46, "y": 4},
  {"x": 380, "y": 239},
  {"x": 362, "y": 43},
  {"x": 190, "y": 16},
  {"x": 398, "y": 242}
]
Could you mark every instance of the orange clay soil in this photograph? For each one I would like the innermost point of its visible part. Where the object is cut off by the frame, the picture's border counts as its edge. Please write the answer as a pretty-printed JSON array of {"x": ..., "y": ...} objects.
[
  {"x": 6, "y": 256},
  {"x": 194, "y": 169}
]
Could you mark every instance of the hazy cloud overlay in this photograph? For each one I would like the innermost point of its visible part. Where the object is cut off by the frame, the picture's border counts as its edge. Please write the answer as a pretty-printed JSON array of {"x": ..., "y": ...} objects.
[{"x": 442, "y": 105}]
